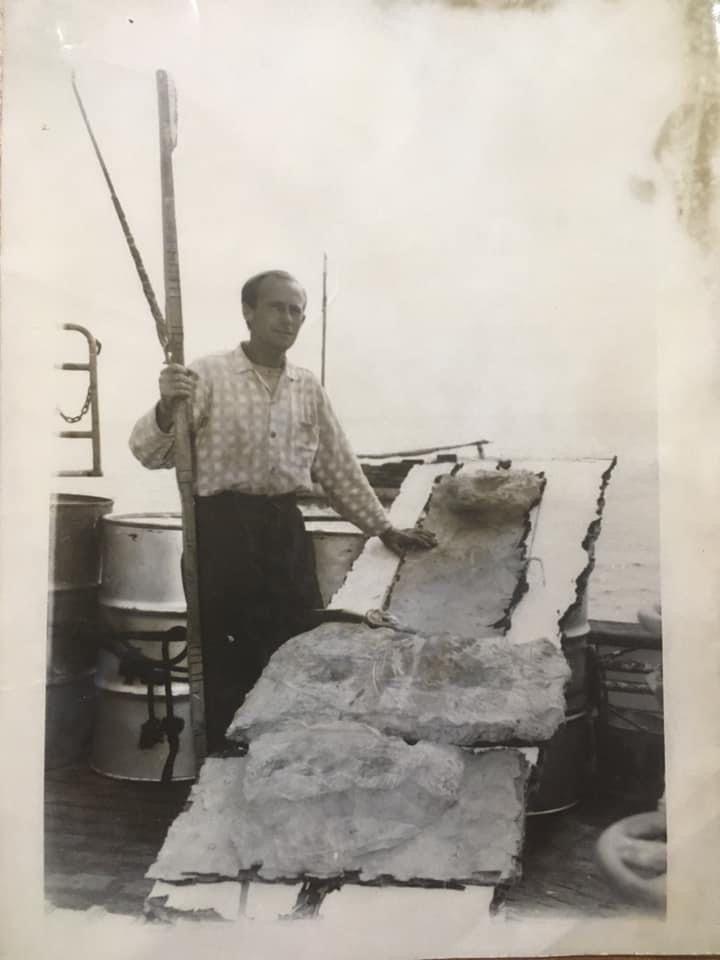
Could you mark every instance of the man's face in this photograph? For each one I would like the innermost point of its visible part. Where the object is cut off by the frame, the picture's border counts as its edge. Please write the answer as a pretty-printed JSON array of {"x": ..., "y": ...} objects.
[{"x": 276, "y": 318}]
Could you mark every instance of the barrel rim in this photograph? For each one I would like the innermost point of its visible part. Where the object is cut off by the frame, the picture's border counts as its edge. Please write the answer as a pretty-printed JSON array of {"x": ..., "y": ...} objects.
[
  {"x": 98, "y": 768},
  {"x": 180, "y": 689},
  {"x": 59, "y": 499},
  {"x": 144, "y": 520},
  {"x": 109, "y": 601},
  {"x": 67, "y": 586},
  {"x": 84, "y": 675},
  {"x": 575, "y": 715},
  {"x": 317, "y": 526}
]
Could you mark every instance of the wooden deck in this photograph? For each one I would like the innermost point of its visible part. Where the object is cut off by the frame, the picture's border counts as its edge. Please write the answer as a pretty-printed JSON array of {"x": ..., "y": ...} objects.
[{"x": 101, "y": 835}]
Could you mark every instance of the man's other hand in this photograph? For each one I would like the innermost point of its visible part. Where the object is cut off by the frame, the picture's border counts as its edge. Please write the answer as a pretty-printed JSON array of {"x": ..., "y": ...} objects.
[{"x": 400, "y": 541}]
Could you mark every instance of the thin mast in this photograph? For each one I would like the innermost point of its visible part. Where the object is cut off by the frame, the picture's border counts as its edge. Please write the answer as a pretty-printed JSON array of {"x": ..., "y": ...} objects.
[
  {"x": 127, "y": 233},
  {"x": 324, "y": 319}
]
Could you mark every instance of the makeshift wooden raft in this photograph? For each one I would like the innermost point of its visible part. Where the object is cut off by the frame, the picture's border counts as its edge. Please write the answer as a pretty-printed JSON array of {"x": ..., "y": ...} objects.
[{"x": 203, "y": 868}]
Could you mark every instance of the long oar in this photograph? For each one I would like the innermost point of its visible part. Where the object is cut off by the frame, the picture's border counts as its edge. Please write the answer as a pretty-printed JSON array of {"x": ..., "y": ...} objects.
[
  {"x": 167, "y": 110},
  {"x": 170, "y": 334}
]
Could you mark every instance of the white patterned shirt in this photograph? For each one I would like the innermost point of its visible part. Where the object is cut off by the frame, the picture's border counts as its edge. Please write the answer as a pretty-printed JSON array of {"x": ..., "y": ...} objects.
[{"x": 256, "y": 440}]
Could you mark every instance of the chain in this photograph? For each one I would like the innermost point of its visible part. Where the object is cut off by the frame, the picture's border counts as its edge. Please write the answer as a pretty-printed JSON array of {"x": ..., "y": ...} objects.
[{"x": 83, "y": 410}]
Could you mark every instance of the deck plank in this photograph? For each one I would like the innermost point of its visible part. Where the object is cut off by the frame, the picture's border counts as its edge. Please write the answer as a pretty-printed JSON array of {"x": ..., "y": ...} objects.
[
  {"x": 559, "y": 551},
  {"x": 372, "y": 574},
  {"x": 106, "y": 829}
]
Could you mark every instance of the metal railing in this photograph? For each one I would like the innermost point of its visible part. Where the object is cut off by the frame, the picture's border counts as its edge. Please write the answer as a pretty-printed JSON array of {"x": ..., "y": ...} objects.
[{"x": 89, "y": 406}]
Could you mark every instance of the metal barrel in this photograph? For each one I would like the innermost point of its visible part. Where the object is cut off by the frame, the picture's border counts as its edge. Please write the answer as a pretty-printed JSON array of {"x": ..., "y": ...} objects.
[
  {"x": 142, "y": 605},
  {"x": 337, "y": 546},
  {"x": 563, "y": 767},
  {"x": 630, "y": 724},
  {"x": 124, "y": 746},
  {"x": 75, "y": 561},
  {"x": 141, "y": 586},
  {"x": 72, "y": 633}
]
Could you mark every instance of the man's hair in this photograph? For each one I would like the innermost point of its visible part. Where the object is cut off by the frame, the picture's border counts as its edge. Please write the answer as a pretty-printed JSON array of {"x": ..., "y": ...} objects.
[{"x": 251, "y": 287}]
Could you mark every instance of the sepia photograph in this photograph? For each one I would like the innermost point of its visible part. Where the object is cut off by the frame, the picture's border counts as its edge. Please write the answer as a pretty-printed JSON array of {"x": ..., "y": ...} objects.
[{"x": 347, "y": 598}]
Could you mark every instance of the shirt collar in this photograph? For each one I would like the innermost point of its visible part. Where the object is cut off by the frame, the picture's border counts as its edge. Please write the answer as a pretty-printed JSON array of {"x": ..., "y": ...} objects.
[{"x": 244, "y": 364}]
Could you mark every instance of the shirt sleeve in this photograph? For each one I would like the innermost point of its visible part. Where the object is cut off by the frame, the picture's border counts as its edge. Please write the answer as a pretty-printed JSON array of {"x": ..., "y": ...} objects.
[
  {"x": 154, "y": 448},
  {"x": 338, "y": 471}
]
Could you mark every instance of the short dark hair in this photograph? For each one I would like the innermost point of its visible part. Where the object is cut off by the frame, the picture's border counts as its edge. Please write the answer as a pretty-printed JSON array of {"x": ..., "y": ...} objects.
[{"x": 251, "y": 287}]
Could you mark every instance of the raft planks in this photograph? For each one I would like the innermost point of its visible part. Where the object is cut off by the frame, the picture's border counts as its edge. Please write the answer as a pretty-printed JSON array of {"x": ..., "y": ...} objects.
[
  {"x": 372, "y": 574},
  {"x": 560, "y": 544},
  {"x": 383, "y": 910}
]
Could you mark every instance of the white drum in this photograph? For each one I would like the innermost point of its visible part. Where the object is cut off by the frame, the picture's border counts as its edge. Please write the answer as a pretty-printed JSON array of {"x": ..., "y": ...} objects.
[
  {"x": 122, "y": 710},
  {"x": 141, "y": 589},
  {"x": 141, "y": 599}
]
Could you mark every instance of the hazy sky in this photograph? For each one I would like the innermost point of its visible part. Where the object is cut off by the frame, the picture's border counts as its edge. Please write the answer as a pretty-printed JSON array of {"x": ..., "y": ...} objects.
[{"x": 483, "y": 183}]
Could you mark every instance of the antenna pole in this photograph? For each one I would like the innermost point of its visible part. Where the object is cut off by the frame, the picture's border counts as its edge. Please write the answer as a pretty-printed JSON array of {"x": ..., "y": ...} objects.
[{"x": 324, "y": 319}]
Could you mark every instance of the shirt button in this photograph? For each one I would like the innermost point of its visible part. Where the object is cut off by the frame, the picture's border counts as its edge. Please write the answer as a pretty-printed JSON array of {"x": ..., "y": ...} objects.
[{"x": 273, "y": 434}]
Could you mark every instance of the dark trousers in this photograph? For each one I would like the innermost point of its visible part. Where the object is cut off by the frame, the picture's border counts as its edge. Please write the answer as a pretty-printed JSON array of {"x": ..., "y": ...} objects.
[{"x": 257, "y": 587}]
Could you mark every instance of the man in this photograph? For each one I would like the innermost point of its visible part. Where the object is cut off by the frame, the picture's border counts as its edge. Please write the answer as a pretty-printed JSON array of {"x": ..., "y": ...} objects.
[{"x": 264, "y": 430}]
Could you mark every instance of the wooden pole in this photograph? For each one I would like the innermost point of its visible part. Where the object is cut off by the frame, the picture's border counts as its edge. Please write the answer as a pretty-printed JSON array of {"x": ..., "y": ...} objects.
[
  {"x": 170, "y": 333},
  {"x": 183, "y": 421}
]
